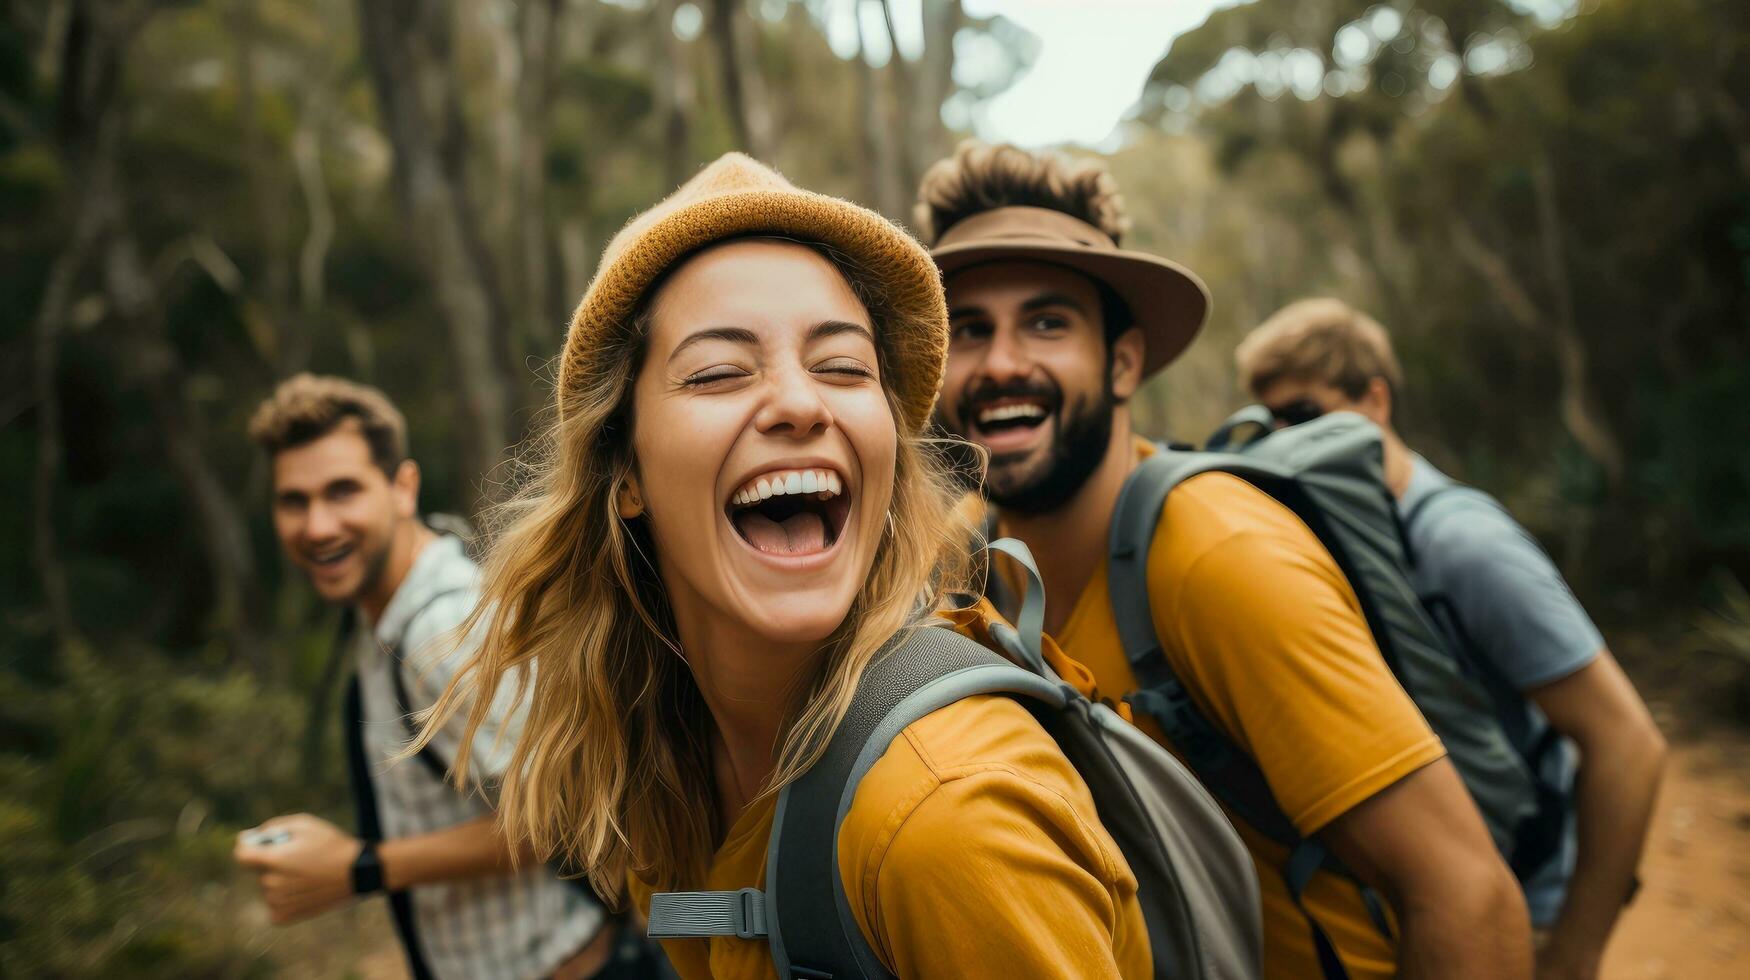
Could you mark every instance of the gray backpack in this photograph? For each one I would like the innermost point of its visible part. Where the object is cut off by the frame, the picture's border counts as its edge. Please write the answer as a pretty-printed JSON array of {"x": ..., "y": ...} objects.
[
  {"x": 1329, "y": 472},
  {"x": 1196, "y": 882}
]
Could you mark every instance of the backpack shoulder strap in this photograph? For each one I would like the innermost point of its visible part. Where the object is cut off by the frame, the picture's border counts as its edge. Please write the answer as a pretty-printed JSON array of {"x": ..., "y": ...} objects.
[
  {"x": 804, "y": 912},
  {"x": 1228, "y": 772},
  {"x": 426, "y": 755}
]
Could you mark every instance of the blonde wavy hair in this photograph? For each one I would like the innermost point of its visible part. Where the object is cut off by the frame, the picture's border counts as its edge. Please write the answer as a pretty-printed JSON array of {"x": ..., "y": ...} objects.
[{"x": 612, "y": 773}]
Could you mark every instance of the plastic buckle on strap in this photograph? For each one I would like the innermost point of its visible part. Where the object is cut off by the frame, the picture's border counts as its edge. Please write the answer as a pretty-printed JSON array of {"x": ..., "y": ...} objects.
[{"x": 750, "y": 913}]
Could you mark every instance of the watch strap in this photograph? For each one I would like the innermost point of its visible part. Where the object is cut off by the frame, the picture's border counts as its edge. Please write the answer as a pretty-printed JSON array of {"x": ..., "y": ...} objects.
[{"x": 367, "y": 870}]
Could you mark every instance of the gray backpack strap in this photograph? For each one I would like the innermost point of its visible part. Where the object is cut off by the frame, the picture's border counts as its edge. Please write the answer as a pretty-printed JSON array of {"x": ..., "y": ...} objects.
[
  {"x": 1227, "y": 772},
  {"x": 1024, "y": 639},
  {"x": 812, "y": 930},
  {"x": 700, "y": 915}
]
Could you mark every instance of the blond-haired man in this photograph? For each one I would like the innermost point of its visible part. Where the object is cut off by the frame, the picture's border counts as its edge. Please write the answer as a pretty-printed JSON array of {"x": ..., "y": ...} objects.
[
  {"x": 1053, "y": 329},
  {"x": 1510, "y": 612},
  {"x": 465, "y": 903}
]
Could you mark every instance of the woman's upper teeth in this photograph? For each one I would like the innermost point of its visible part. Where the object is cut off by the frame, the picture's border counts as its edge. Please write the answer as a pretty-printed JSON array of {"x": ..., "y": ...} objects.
[
  {"x": 1003, "y": 412},
  {"x": 781, "y": 482}
]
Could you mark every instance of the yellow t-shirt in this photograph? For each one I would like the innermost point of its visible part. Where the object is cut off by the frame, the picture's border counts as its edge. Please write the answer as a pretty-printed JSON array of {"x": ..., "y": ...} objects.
[
  {"x": 1270, "y": 641},
  {"x": 972, "y": 849}
]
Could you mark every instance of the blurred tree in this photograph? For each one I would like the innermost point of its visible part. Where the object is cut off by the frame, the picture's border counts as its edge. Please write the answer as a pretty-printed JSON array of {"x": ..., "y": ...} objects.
[
  {"x": 408, "y": 47},
  {"x": 744, "y": 96}
]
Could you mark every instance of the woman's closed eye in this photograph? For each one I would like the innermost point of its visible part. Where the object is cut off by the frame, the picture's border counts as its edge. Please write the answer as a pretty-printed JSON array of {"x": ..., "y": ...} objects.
[
  {"x": 715, "y": 373},
  {"x": 845, "y": 368}
]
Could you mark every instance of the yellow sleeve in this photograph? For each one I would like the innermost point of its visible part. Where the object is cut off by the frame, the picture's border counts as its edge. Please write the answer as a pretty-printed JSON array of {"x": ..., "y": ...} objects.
[
  {"x": 992, "y": 864},
  {"x": 992, "y": 877},
  {"x": 1270, "y": 639}
]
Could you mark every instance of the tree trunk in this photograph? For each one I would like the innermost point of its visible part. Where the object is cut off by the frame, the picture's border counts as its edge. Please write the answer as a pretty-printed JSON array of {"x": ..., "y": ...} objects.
[
  {"x": 224, "y": 537},
  {"x": 406, "y": 46},
  {"x": 313, "y": 256},
  {"x": 1582, "y": 422},
  {"x": 57, "y": 295},
  {"x": 942, "y": 20},
  {"x": 881, "y": 168},
  {"x": 748, "y": 119},
  {"x": 538, "y": 38},
  {"x": 905, "y": 152},
  {"x": 290, "y": 344},
  {"x": 84, "y": 52},
  {"x": 1581, "y": 411},
  {"x": 675, "y": 97}
]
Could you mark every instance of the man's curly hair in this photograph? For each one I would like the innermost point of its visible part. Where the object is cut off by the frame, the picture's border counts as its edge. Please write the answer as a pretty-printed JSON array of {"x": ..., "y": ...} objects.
[{"x": 982, "y": 176}]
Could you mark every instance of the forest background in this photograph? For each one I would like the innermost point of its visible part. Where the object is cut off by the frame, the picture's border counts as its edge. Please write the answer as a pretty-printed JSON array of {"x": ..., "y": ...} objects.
[{"x": 1547, "y": 202}]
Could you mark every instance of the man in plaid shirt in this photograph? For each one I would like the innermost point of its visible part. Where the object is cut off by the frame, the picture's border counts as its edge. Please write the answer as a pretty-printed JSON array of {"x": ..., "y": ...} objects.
[{"x": 464, "y": 901}]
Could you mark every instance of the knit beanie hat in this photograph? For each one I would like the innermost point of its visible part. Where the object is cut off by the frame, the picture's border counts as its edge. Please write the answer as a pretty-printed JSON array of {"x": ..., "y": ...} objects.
[{"x": 737, "y": 196}]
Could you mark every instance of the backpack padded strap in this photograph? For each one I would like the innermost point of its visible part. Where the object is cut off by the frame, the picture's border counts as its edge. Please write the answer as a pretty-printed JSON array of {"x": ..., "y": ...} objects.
[
  {"x": 1229, "y": 773},
  {"x": 1025, "y": 638},
  {"x": 812, "y": 930}
]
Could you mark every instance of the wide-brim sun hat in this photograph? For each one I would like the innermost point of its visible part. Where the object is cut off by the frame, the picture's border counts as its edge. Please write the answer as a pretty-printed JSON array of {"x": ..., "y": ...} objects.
[
  {"x": 736, "y": 197},
  {"x": 1166, "y": 300}
]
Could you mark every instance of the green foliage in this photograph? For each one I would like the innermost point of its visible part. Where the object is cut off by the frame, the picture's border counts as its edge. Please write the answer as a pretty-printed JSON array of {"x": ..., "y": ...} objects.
[
  {"x": 127, "y": 778},
  {"x": 1558, "y": 286}
]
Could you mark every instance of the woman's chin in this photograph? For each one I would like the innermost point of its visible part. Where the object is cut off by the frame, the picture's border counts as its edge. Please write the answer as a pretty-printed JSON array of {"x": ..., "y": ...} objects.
[{"x": 798, "y": 618}]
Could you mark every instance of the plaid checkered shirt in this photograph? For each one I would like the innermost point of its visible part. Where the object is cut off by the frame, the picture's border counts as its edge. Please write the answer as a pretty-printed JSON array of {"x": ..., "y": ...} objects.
[{"x": 521, "y": 925}]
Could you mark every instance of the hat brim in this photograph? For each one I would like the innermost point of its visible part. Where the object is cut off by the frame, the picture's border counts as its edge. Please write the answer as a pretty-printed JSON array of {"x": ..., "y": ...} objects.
[{"x": 1167, "y": 301}]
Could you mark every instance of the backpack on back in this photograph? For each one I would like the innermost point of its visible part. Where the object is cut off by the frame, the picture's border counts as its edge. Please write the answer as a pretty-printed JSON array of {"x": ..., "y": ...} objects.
[
  {"x": 1195, "y": 880},
  {"x": 1329, "y": 472}
]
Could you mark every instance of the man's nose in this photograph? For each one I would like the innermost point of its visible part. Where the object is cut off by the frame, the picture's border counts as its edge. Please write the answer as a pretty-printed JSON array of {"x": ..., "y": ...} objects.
[
  {"x": 1006, "y": 359},
  {"x": 320, "y": 522},
  {"x": 793, "y": 406}
]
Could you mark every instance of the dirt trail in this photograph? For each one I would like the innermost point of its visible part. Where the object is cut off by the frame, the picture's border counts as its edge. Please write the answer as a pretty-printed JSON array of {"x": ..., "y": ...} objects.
[{"x": 1691, "y": 920}]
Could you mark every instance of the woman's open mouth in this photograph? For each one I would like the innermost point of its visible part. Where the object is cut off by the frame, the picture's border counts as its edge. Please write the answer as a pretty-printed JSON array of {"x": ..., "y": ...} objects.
[{"x": 790, "y": 513}]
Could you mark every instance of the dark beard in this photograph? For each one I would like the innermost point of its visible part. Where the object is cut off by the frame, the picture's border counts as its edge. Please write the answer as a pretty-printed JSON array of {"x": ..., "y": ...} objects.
[{"x": 1078, "y": 445}]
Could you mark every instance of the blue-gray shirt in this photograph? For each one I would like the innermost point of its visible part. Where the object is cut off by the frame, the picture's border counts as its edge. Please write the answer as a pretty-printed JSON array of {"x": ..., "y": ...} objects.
[{"x": 1517, "y": 615}]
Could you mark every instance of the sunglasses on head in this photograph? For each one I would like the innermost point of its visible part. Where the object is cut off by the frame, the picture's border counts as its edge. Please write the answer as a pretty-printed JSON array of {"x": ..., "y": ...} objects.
[{"x": 1295, "y": 412}]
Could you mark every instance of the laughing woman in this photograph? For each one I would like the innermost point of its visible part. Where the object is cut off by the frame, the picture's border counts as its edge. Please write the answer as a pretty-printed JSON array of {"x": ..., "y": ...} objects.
[{"x": 731, "y": 517}]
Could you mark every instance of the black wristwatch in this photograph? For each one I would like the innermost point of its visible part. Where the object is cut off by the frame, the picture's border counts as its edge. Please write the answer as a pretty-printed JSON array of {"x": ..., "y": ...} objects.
[{"x": 367, "y": 870}]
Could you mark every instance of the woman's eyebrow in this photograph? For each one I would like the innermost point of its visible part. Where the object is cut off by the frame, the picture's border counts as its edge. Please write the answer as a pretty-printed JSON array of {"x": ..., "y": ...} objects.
[
  {"x": 734, "y": 335},
  {"x": 833, "y": 328}
]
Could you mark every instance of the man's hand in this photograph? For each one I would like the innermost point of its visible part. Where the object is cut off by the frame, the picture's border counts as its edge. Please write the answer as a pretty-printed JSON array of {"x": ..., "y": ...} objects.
[
  {"x": 1622, "y": 756},
  {"x": 306, "y": 875}
]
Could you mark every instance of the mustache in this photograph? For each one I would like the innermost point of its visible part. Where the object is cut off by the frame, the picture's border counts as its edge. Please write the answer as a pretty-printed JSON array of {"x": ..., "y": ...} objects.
[{"x": 1023, "y": 388}]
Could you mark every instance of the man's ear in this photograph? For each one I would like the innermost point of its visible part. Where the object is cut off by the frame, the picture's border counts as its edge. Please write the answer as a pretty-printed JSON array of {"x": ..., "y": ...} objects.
[
  {"x": 405, "y": 486},
  {"x": 1126, "y": 363},
  {"x": 1376, "y": 404}
]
